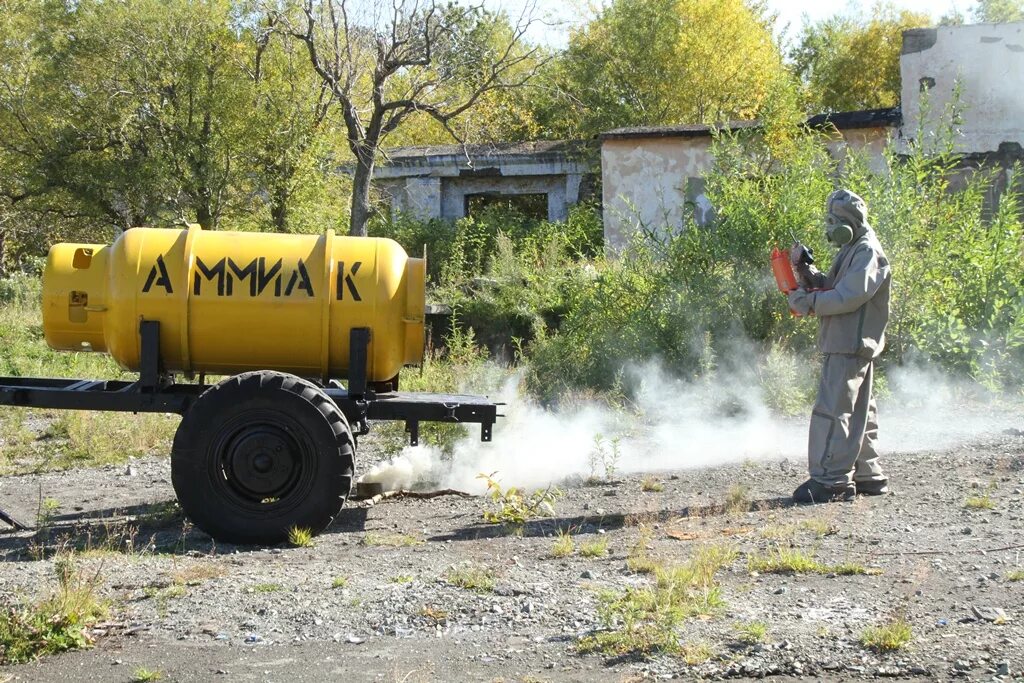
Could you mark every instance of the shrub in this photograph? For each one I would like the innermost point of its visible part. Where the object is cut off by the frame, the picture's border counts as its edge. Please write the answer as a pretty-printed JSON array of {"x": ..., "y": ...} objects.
[
  {"x": 683, "y": 294},
  {"x": 514, "y": 506}
]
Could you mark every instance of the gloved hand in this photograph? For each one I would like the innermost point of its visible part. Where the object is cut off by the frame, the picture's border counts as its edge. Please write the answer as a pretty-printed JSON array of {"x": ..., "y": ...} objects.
[
  {"x": 800, "y": 301},
  {"x": 795, "y": 252}
]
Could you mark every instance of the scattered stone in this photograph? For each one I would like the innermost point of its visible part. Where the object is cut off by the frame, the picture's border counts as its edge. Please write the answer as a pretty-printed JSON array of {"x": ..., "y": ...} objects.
[
  {"x": 130, "y": 471},
  {"x": 1003, "y": 669},
  {"x": 587, "y": 574},
  {"x": 354, "y": 639},
  {"x": 962, "y": 665},
  {"x": 993, "y": 614},
  {"x": 780, "y": 590},
  {"x": 253, "y": 638}
]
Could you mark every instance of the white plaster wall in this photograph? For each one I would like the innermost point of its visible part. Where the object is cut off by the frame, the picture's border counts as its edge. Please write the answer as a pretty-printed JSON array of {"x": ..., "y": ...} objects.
[
  {"x": 988, "y": 61},
  {"x": 644, "y": 183}
]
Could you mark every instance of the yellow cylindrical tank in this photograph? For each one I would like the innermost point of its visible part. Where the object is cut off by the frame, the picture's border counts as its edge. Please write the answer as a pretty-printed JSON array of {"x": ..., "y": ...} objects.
[{"x": 228, "y": 302}]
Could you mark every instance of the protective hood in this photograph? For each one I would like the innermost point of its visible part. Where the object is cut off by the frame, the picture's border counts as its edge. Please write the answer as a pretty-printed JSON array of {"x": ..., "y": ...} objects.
[{"x": 846, "y": 217}]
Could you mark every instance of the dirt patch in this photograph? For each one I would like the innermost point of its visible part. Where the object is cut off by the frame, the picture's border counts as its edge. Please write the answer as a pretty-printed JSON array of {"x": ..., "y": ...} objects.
[{"x": 368, "y": 608}]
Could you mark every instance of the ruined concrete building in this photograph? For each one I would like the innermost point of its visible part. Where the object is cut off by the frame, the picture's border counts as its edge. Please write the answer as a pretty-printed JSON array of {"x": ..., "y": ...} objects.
[
  {"x": 651, "y": 176},
  {"x": 446, "y": 181}
]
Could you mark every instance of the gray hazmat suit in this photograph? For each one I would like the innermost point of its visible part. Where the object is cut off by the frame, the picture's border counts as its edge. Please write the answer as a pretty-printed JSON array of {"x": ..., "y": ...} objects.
[{"x": 853, "y": 311}]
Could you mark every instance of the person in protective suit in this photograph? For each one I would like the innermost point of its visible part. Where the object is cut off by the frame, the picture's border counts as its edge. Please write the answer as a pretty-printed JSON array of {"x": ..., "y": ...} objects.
[{"x": 851, "y": 302}]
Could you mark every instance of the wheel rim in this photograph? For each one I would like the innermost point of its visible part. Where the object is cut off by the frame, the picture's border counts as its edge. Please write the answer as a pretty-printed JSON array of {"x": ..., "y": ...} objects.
[{"x": 263, "y": 462}]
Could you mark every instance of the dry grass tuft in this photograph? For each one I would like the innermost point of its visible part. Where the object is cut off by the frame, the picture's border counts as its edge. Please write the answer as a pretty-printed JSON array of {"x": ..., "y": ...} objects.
[
  {"x": 651, "y": 485},
  {"x": 472, "y": 577},
  {"x": 564, "y": 546},
  {"x": 596, "y": 548}
]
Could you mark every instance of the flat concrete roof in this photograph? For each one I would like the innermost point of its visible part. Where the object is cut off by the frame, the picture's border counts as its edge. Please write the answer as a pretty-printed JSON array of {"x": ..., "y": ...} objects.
[
  {"x": 844, "y": 120},
  {"x": 447, "y": 154}
]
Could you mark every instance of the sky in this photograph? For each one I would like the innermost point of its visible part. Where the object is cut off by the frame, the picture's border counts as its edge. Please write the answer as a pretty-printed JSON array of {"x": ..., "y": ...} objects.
[{"x": 559, "y": 15}]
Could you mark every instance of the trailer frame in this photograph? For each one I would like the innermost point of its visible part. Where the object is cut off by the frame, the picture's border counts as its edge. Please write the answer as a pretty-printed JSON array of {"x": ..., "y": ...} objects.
[{"x": 156, "y": 391}]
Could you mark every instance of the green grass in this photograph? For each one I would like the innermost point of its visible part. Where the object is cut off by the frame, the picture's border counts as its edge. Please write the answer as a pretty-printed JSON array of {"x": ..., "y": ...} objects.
[
  {"x": 403, "y": 578},
  {"x": 982, "y": 502},
  {"x": 40, "y": 440},
  {"x": 144, "y": 675},
  {"x": 596, "y": 548},
  {"x": 1016, "y": 575},
  {"x": 563, "y": 546},
  {"x": 266, "y": 587},
  {"x": 300, "y": 538},
  {"x": 472, "y": 577},
  {"x": 372, "y": 538},
  {"x": 784, "y": 560},
  {"x": 339, "y": 582},
  {"x": 752, "y": 632},
  {"x": 55, "y": 623},
  {"x": 645, "y": 620},
  {"x": 888, "y": 637}
]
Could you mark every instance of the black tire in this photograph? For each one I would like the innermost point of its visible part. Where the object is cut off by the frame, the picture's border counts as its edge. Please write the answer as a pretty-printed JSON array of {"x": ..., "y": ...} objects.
[{"x": 260, "y": 453}]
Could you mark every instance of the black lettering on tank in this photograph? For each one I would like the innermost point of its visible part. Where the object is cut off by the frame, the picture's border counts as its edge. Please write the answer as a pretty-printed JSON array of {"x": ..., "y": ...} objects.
[
  {"x": 263, "y": 276},
  {"x": 158, "y": 276},
  {"x": 300, "y": 276},
  {"x": 346, "y": 280},
  {"x": 241, "y": 273},
  {"x": 209, "y": 273}
]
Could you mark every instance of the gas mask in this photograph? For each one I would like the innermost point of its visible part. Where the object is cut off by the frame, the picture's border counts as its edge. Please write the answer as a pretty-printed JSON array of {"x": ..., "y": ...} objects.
[{"x": 838, "y": 232}]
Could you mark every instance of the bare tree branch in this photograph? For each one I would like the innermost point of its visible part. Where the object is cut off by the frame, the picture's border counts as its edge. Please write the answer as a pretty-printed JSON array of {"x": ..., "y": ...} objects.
[{"x": 404, "y": 57}]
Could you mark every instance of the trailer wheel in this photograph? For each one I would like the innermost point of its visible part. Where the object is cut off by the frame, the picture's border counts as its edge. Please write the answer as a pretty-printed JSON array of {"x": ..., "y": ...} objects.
[{"x": 260, "y": 453}]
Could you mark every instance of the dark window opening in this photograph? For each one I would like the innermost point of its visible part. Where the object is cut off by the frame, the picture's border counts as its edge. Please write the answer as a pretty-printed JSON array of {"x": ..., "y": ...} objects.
[{"x": 529, "y": 205}]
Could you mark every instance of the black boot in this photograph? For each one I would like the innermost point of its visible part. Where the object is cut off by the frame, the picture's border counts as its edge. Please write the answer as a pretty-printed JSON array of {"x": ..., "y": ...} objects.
[
  {"x": 812, "y": 491},
  {"x": 878, "y": 487}
]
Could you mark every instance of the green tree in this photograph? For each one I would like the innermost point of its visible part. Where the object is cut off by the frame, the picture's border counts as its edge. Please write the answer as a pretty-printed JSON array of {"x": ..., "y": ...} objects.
[
  {"x": 131, "y": 113},
  {"x": 158, "y": 112},
  {"x": 291, "y": 139},
  {"x": 998, "y": 11},
  {"x": 650, "y": 62},
  {"x": 853, "y": 62}
]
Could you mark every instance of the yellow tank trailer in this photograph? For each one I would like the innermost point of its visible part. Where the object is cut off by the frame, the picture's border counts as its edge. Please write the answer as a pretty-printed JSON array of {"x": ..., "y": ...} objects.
[
  {"x": 272, "y": 446},
  {"x": 233, "y": 301}
]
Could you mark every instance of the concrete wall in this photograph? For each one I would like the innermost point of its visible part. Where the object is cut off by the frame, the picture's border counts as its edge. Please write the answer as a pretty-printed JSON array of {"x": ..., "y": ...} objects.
[{"x": 988, "y": 62}]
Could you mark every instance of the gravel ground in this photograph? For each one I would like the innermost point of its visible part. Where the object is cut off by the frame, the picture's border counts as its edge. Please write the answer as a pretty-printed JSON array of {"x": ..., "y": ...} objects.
[{"x": 196, "y": 610}]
